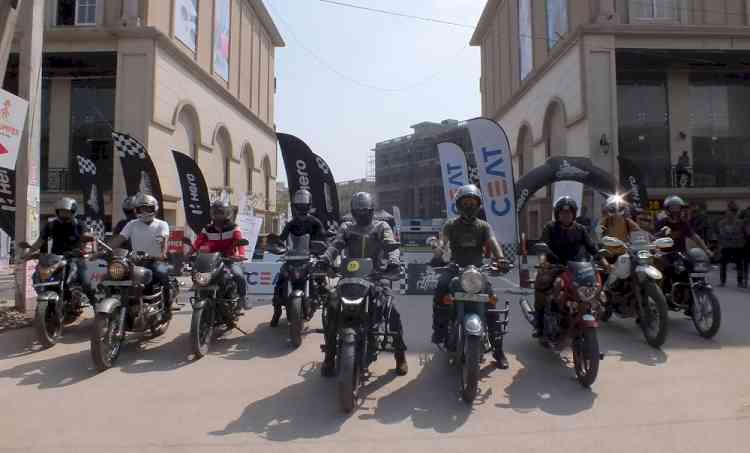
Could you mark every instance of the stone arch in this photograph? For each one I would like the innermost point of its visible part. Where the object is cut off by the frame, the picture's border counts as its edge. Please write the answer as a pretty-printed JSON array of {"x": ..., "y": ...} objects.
[
  {"x": 247, "y": 163},
  {"x": 187, "y": 128},
  {"x": 222, "y": 142},
  {"x": 554, "y": 128}
]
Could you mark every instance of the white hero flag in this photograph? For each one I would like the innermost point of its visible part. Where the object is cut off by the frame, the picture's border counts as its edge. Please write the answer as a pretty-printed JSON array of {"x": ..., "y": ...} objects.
[
  {"x": 12, "y": 120},
  {"x": 453, "y": 168},
  {"x": 494, "y": 163}
]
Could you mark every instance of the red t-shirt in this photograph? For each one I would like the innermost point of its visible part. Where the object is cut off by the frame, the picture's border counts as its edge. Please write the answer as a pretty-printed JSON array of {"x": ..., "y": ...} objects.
[{"x": 224, "y": 241}]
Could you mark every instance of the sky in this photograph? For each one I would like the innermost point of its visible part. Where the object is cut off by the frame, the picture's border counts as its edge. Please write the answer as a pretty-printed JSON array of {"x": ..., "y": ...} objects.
[{"x": 421, "y": 71}]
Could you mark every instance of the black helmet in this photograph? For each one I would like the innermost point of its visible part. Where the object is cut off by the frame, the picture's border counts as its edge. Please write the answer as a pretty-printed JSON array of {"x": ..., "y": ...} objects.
[
  {"x": 566, "y": 202},
  {"x": 66, "y": 204},
  {"x": 221, "y": 210},
  {"x": 464, "y": 193},
  {"x": 363, "y": 208},
  {"x": 302, "y": 201},
  {"x": 128, "y": 205}
]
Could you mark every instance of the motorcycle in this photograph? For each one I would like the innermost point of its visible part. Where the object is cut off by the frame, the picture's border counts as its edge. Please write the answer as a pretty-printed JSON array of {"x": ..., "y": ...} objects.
[
  {"x": 691, "y": 291},
  {"x": 57, "y": 303},
  {"x": 305, "y": 288},
  {"x": 634, "y": 286},
  {"x": 362, "y": 328},
  {"x": 215, "y": 302},
  {"x": 570, "y": 314},
  {"x": 132, "y": 302},
  {"x": 468, "y": 338}
]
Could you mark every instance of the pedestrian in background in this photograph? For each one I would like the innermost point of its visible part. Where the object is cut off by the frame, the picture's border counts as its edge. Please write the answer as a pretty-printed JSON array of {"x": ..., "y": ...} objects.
[{"x": 732, "y": 242}]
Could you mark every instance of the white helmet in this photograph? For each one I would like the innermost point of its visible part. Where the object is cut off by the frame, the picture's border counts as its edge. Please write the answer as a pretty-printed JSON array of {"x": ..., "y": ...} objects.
[{"x": 146, "y": 207}]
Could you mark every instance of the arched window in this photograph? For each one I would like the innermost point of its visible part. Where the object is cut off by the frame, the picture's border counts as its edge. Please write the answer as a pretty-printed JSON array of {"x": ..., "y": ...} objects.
[
  {"x": 248, "y": 164},
  {"x": 224, "y": 147},
  {"x": 267, "y": 183}
]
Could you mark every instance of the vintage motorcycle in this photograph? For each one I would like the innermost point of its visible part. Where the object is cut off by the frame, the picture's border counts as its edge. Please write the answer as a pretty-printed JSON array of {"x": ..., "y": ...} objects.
[
  {"x": 132, "y": 302},
  {"x": 60, "y": 299},
  {"x": 215, "y": 301},
  {"x": 468, "y": 338},
  {"x": 306, "y": 287},
  {"x": 362, "y": 327},
  {"x": 570, "y": 314},
  {"x": 692, "y": 292},
  {"x": 633, "y": 288}
]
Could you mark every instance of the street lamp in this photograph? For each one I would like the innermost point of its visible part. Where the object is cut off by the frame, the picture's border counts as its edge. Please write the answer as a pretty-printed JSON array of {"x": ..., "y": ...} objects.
[{"x": 604, "y": 144}]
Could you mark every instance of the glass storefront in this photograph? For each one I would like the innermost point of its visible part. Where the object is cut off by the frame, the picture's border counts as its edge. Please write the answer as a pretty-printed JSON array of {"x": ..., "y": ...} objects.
[
  {"x": 720, "y": 128},
  {"x": 644, "y": 124},
  {"x": 92, "y": 116}
]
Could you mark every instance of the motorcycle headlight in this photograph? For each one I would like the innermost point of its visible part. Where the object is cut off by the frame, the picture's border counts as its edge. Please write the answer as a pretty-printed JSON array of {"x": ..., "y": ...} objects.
[
  {"x": 587, "y": 293},
  {"x": 472, "y": 281},
  {"x": 117, "y": 270},
  {"x": 202, "y": 278}
]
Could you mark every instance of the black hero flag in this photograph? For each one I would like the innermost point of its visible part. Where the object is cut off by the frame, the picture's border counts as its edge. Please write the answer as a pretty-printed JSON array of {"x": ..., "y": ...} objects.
[
  {"x": 194, "y": 191},
  {"x": 93, "y": 198},
  {"x": 307, "y": 170},
  {"x": 137, "y": 168},
  {"x": 631, "y": 179},
  {"x": 8, "y": 201}
]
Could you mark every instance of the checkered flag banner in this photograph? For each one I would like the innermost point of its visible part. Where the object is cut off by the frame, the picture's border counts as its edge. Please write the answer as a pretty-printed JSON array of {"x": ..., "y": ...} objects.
[
  {"x": 95, "y": 226},
  {"x": 511, "y": 251},
  {"x": 137, "y": 168},
  {"x": 93, "y": 199},
  {"x": 86, "y": 166},
  {"x": 474, "y": 175}
]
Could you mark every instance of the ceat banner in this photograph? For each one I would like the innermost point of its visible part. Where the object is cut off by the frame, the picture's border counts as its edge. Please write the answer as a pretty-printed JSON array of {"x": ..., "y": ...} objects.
[
  {"x": 455, "y": 175},
  {"x": 495, "y": 166},
  {"x": 261, "y": 277},
  {"x": 12, "y": 119}
]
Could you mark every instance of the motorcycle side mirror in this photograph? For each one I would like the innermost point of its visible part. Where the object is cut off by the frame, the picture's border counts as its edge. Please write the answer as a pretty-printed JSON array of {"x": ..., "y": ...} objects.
[
  {"x": 664, "y": 243},
  {"x": 609, "y": 241},
  {"x": 541, "y": 248},
  {"x": 243, "y": 242},
  {"x": 24, "y": 245}
]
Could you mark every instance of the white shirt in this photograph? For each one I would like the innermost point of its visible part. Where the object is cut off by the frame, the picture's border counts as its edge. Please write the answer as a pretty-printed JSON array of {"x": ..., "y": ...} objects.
[{"x": 146, "y": 238}]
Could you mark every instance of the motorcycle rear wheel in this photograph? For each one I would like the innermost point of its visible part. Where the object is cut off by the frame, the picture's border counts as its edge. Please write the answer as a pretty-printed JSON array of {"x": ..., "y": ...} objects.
[
  {"x": 706, "y": 305},
  {"x": 105, "y": 340},
  {"x": 296, "y": 321},
  {"x": 201, "y": 332},
  {"x": 586, "y": 357},
  {"x": 472, "y": 355},
  {"x": 348, "y": 377},
  {"x": 47, "y": 323},
  {"x": 654, "y": 315}
]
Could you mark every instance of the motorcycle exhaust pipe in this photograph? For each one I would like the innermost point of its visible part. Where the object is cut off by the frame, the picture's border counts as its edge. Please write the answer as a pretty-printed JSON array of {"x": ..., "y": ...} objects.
[{"x": 528, "y": 312}]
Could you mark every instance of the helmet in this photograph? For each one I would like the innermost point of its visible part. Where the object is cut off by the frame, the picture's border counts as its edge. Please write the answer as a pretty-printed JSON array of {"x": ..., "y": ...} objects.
[
  {"x": 566, "y": 202},
  {"x": 363, "y": 208},
  {"x": 128, "y": 205},
  {"x": 469, "y": 191},
  {"x": 673, "y": 201},
  {"x": 66, "y": 204},
  {"x": 146, "y": 207},
  {"x": 302, "y": 201},
  {"x": 220, "y": 210},
  {"x": 615, "y": 204}
]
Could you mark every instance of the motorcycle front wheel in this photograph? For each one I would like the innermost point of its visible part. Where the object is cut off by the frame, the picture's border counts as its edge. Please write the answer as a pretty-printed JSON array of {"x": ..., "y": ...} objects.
[
  {"x": 654, "y": 315},
  {"x": 48, "y": 324},
  {"x": 586, "y": 357},
  {"x": 348, "y": 376},
  {"x": 106, "y": 340},
  {"x": 472, "y": 355},
  {"x": 201, "y": 331},
  {"x": 706, "y": 313},
  {"x": 295, "y": 319}
]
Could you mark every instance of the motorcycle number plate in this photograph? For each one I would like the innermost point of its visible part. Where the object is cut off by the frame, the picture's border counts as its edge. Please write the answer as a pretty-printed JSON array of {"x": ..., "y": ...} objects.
[
  {"x": 114, "y": 283},
  {"x": 42, "y": 285},
  {"x": 588, "y": 317},
  {"x": 472, "y": 297}
]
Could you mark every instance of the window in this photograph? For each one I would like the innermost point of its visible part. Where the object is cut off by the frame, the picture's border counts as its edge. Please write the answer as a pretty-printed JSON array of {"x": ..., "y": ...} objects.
[
  {"x": 86, "y": 12},
  {"x": 221, "y": 38},
  {"x": 557, "y": 21},
  {"x": 186, "y": 22},
  {"x": 525, "y": 39},
  {"x": 227, "y": 166},
  {"x": 653, "y": 9},
  {"x": 76, "y": 12}
]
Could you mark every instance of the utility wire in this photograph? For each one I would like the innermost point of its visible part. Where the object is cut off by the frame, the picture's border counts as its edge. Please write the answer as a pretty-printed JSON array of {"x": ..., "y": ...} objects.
[{"x": 394, "y": 13}]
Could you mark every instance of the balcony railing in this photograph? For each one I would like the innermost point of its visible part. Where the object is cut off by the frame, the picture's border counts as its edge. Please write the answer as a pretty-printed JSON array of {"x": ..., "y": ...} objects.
[
  {"x": 58, "y": 180},
  {"x": 682, "y": 176}
]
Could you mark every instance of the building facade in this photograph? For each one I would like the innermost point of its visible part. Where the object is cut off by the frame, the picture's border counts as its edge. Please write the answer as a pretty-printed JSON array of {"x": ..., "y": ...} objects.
[
  {"x": 347, "y": 189},
  {"x": 407, "y": 169},
  {"x": 195, "y": 76},
  {"x": 664, "y": 83}
]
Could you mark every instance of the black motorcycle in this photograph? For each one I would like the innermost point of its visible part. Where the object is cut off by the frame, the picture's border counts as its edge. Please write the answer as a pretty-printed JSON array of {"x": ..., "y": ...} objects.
[
  {"x": 57, "y": 303},
  {"x": 362, "y": 327},
  {"x": 691, "y": 291},
  {"x": 215, "y": 302},
  {"x": 305, "y": 288},
  {"x": 132, "y": 301},
  {"x": 468, "y": 338}
]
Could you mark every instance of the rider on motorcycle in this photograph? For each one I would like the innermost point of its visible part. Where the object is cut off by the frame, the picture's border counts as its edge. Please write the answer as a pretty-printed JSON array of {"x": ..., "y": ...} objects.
[
  {"x": 223, "y": 236},
  {"x": 128, "y": 208},
  {"x": 565, "y": 238},
  {"x": 150, "y": 236},
  {"x": 364, "y": 238},
  {"x": 466, "y": 238},
  {"x": 66, "y": 233},
  {"x": 302, "y": 223},
  {"x": 617, "y": 224}
]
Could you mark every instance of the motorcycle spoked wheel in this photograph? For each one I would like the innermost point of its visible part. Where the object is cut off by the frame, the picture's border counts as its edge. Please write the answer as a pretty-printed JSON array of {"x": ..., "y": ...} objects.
[
  {"x": 470, "y": 368},
  {"x": 202, "y": 330},
  {"x": 654, "y": 316},
  {"x": 296, "y": 321},
  {"x": 586, "y": 357},
  {"x": 106, "y": 341},
  {"x": 48, "y": 323},
  {"x": 348, "y": 376},
  {"x": 706, "y": 313}
]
